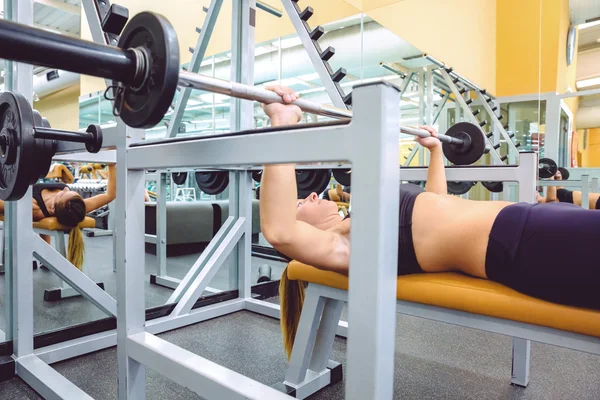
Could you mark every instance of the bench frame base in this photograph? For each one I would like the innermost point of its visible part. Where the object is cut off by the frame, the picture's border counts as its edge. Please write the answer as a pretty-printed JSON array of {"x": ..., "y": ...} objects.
[{"x": 308, "y": 370}]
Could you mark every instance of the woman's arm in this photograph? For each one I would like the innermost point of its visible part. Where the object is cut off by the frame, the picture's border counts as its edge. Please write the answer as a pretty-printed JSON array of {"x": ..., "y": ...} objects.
[
  {"x": 436, "y": 172},
  {"x": 95, "y": 202},
  {"x": 278, "y": 205}
]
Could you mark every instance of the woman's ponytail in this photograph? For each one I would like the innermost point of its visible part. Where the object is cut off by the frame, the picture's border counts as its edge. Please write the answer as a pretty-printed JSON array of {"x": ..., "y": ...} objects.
[
  {"x": 291, "y": 295},
  {"x": 76, "y": 248}
]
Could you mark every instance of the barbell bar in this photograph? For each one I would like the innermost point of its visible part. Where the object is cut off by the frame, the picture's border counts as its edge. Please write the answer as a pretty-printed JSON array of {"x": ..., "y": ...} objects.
[{"x": 145, "y": 73}]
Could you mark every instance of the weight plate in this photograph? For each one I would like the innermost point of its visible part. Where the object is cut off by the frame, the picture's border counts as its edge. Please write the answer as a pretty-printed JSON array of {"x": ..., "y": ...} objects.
[
  {"x": 316, "y": 181},
  {"x": 212, "y": 182},
  {"x": 94, "y": 146},
  {"x": 494, "y": 187},
  {"x": 44, "y": 151},
  {"x": 179, "y": 177},
  {"x": 342, "y": 176},
  {"x": 459, "y": 187},
  {"x": 145, "y": 106},
  {"x": 548, "y": 168},
  {"x": 16, "y": 145},
  {"x": 564, "y": 173},
  {"x": 257, "y": 176},
  {"x": 474, "y": 144}
]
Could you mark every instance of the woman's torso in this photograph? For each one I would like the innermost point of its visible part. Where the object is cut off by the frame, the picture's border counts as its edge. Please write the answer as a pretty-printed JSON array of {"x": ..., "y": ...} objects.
[
  {"x": 451, "y": 233},
  {"x": 42, "y": 193}
]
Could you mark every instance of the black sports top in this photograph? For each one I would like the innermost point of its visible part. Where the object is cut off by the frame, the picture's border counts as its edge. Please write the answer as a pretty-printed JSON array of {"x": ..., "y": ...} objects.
[{"x": 38, "y": 188}]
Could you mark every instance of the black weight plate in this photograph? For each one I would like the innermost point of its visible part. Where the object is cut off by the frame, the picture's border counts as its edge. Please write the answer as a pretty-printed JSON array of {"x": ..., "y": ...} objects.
[
  {"x": 342, "y": 176},
  {"x": 564, "y": 173},
  {"x": 44, "y": 151},
  {"x": 144, "y": 107},
  {"x": 304, "y": 177},
  {"x": 221, "y": 184},
  {"x": 94, "y": 146},
  {"x": 319, "y": 179},
  {"x": 212, "y": 182},
  {"x": 179, "y": 177},
  {"x": 17, "y": 145},
  {"x": 464, "y": 154},
  {"x": 257, "y": 176},
  {"x": 459, "y": 187},
  {"x": 206, "y": 178},
  {"x": 548, "y": 168},
  {"x": 494, "y": 187}
]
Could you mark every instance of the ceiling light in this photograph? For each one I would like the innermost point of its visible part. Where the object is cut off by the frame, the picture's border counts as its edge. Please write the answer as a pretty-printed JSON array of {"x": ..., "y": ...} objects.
[
  {"x": 589, "y": 25},
  {"x": 588, "y": 82}
]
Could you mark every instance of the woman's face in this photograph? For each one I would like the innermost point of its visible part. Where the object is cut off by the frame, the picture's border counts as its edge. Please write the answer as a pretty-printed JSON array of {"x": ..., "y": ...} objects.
[{"x": 315, "y": 211}]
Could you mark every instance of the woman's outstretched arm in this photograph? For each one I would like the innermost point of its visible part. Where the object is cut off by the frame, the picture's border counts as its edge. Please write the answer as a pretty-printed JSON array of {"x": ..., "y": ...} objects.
[
  {"x": 95, "y": 202},
  {"x": 436, "y": 172},
  {"x": 278, "y": 205}
]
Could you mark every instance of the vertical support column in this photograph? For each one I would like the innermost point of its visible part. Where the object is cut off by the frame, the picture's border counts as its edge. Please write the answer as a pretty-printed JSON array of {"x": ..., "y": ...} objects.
[
  {"x": 242, "y": 200},
  {"x": 552, "y": 136},
  {"x": 422, "y": 121},
  {"x": 373, "y": 243},
  {"x": 17, "y": 223},
  {"x": 585, "y": 191},
  {"x": 521, "y": 347},
  {"x": 242, "y": 60},
  {"x": 161, "y": 222},
  {"x": 242, "y": 117},
  {"x": 129, "y": 229}
]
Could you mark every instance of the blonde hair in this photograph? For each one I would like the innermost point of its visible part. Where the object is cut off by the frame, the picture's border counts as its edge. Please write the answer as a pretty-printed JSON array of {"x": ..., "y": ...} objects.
[
  {"x": 76, "y": 248},
  {"x": 291, "y": 295}
]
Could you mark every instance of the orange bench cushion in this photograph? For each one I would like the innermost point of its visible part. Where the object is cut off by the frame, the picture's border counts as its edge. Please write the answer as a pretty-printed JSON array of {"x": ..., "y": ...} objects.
[
  {"x": 472, "y": 295},
  {"x": 51, "y": 224}
]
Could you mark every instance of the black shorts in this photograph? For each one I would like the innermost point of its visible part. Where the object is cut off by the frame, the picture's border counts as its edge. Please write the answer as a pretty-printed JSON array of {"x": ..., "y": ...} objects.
[{"x": 548, "y": 251}]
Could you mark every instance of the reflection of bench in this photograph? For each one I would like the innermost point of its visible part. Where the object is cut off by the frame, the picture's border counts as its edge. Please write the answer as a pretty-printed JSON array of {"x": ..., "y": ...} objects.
[
  {"x": 445, "y": 297},
  {"x": 51, "y": 227},
  {"x": 191, "y": 225}
]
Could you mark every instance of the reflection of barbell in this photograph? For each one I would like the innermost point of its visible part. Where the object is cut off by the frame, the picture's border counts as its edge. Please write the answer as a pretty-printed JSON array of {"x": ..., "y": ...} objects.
[
  {"x": 25, "y": 136},
  {"x": 145, "y": 71}
]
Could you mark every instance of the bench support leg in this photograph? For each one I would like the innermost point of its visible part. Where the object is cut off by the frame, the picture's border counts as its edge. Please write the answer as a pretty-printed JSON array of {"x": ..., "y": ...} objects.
[
  {"x": 520, "y": 362},
  {"x": 310, "y": 369},
  {"x": 64, "y": 291}
]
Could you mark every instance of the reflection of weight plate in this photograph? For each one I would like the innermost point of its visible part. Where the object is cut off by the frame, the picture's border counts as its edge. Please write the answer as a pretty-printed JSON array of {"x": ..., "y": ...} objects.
[
  {"x": 312, "y": 180},
  {"x": 16, "y": 146},
  {"x": 212, "y": 182},
  {"x": 564, "y": 173},
  {"x": 179, "y": 177},
  {"x": 455, "y": 187},
  {"x": 257, "y": 176},
  {"x": 44, "y": 150},
  {"x": 342, "y": 176},
  {"x": 548, "y": 168},
  {"x": 473, "y": 148},
  {"x": 494, "y": 187}
]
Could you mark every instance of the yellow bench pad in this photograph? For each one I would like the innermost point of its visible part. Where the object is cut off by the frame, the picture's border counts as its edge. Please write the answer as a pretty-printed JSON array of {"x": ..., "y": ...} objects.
[
  {"x": 51, "y": 224},
  {"x": 472, "y": 295}
]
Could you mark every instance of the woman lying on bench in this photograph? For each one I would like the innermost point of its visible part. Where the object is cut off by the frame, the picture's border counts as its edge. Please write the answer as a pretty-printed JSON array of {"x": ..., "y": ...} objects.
[
  {"x": 69, "y": 208},
  {"x": 514, "y": 244},
  {"x": 562, "y": 195}
]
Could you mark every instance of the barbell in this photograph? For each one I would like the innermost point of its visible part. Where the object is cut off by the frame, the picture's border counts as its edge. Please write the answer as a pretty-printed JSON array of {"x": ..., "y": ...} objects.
[
  {"x": 28, "y": 144},
  {"x": 145, "y": 72}
]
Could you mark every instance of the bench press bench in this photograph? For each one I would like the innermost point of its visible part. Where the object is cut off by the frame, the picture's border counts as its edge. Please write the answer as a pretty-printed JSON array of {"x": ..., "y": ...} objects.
[
  {"x": 446, "y": 297},
  {"x": 51, "y": 227}
]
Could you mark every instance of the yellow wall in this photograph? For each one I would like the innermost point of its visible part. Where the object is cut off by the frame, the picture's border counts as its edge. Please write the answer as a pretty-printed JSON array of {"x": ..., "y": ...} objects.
[
  {"x": 61, "y": 108},
  {"x": 590, "y": 156},
  {"x": 461, "y": 33},
  {"x": 531, "y": 58},
  {"x": 188, "y": 15}
]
